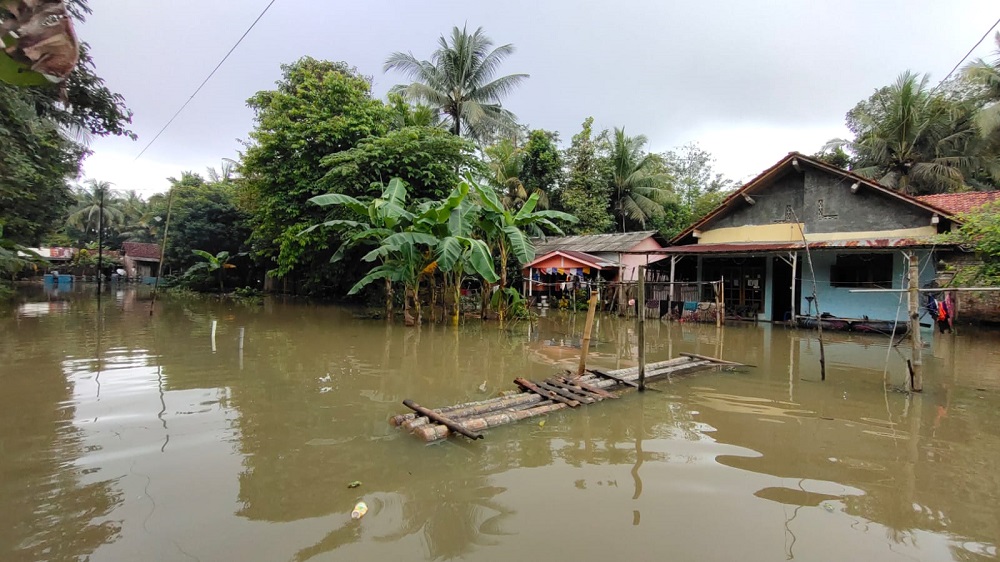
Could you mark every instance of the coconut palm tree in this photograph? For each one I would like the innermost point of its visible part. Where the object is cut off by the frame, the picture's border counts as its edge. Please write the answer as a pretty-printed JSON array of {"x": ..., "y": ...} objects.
[
  {"x": 638, "y": 188},
  {"x": 987, "y": 76},
  {"x": 96, "y": 199},
  {"x": 914, "y": 141},
  {"x": 460, "y": 81}
]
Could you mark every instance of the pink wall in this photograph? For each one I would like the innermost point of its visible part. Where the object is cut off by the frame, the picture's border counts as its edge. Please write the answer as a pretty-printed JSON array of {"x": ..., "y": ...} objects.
[
  {"x": 632, "y": 261},
  {"x": 557, "y": 261}
]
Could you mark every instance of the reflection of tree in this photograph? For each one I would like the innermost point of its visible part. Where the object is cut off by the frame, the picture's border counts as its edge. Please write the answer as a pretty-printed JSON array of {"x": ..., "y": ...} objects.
[
  {"x": 452, "y": 515},
  {"x": 51, "y": 507}
]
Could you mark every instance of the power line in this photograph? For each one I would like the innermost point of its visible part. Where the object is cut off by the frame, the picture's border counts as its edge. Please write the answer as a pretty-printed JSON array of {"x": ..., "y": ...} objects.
[
  {"x": 974, "y": 47},
  {"x": 209, "y": 77}
]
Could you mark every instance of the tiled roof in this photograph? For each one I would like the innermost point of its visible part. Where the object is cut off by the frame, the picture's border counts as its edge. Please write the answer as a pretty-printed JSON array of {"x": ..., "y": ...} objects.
[
  {"x": 592, "y": 243},
  {"x": 961, "y": 202},
  {"x": 142, "y": 250}
]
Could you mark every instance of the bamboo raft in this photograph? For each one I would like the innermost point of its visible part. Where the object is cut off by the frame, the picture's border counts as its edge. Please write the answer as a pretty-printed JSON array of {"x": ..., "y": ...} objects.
[{"x": 540, "y": 398}]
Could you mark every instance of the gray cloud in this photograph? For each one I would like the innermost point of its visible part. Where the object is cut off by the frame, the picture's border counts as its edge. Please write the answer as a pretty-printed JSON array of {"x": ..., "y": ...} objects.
[{"x": 762, "y": 74}]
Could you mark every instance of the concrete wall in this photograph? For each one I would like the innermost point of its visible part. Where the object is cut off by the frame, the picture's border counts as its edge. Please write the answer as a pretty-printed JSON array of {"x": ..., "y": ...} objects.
[
  {"x": 631, "y": 262},
  {"x": 827, "y": 209},
  {"x": 839, "y": 301}
]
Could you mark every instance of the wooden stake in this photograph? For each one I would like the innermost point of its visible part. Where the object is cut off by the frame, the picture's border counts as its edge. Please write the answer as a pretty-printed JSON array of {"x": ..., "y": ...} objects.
[
  {"x": 641, "y": 331},
  {"x": 588, "y": 327},
  {"x": 163, "y": 249},
  {"x": 913, "y": 301}
]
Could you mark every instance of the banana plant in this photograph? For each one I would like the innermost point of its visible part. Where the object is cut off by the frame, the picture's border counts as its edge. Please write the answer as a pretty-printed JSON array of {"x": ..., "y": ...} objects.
[
  {"x": 505, "y": 229},
  {"x": 218, "y": 263},
  {"x": 376, "y": 220}
]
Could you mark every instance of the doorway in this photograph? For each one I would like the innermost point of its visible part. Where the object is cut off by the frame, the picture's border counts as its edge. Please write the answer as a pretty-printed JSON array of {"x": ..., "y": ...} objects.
[{"x": 781, "y": 291}]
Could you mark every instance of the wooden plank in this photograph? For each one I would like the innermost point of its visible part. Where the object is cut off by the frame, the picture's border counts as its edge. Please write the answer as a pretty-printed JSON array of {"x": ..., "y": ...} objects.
[
  {"x": 441, "y": 419},
  {"x": 589, "y": 388},
  {"x": 713, "y": 359},
  {"x": 609, "y": 376},
  {"x": 528, "y": 385},
  {"x": 566, "y": 392}
]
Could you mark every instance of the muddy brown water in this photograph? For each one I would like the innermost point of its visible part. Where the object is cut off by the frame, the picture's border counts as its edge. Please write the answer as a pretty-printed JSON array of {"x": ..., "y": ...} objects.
[{"x": 125, "y": 437}]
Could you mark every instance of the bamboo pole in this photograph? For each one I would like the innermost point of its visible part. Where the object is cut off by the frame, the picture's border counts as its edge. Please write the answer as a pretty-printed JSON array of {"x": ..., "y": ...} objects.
[
  {"x": 410, "y": 421},
  {"x": 163, "y": 249},
  {"x": 588, "y": 327},
  {"x": 913, "y": 302},
  {"x": 641, "y": 328}
]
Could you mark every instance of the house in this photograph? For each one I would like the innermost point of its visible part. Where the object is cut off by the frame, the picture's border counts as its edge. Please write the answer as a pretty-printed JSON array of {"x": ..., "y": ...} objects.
[
  {"x": 141, "y": 260},
  {"x": 977, "y": 306},
  {"x": 586, "y": 260},
  {"x": 803, "y": 219}
]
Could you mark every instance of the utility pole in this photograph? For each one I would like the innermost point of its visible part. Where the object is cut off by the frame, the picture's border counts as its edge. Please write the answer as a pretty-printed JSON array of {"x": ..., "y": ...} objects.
[
  {"x": 641, "y": 308},
  {"x": 100, "y": 245},
  {"x": 913, "y": 301}
]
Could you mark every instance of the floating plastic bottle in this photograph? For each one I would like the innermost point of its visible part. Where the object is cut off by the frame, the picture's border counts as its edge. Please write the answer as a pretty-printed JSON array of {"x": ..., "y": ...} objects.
[{"x": 359, "y": 510}]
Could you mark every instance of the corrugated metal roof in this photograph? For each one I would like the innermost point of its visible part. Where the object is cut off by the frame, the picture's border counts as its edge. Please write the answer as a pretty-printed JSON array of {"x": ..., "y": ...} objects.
[
  {"x": 765, "y": 247},
  {"x": 961, "y": 202},
  {"x": 582, "y": 257},
  {"x": 593, "y": 243}
]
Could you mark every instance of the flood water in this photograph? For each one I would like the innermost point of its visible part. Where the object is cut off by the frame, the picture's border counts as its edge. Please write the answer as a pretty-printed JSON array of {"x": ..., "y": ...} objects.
[{"x": 129, "y": 437}]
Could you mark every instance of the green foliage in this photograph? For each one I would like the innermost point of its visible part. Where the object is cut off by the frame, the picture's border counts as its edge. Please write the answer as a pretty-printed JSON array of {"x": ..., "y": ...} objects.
[
  {"x": 980, "y": 231},
  {"x": 910, "y": 138},
  {"x": 460, "y": 82},
  {"x": 639, "y": 184},
  {"x": 40, "y": 132},
  {"x": 319, "y": 108},
  {"x": 586, "y": 194},
  {"x": 428, "y": 159},
  {"x": 204, "y": 216},
  {"x": 541, "y": 166}
]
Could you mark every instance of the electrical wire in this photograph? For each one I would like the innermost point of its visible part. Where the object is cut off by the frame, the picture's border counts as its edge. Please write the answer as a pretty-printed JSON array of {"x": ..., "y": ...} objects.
[
  {"x": 974, "y": 47},
  {"x": 209, "y": 77}
]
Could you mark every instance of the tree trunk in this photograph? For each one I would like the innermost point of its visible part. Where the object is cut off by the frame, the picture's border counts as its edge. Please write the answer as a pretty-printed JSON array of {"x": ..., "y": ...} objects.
[
  {"x": 456, "y": 307},
  {"x": 502, "y": 303},
  {"x": 407, "y": 296},
  {"x": 388, "y": 299},
  {"x": 433, "y": 304},
  {"x": 416, "y": 303}
]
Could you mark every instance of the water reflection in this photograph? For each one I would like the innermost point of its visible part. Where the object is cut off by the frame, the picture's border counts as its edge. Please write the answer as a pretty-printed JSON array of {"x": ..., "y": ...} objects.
[{"x": 125, "y": 437}]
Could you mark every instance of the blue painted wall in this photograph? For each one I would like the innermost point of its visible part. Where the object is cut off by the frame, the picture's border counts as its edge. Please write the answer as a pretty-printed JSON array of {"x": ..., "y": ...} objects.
[{"x": 839, "y": 301}]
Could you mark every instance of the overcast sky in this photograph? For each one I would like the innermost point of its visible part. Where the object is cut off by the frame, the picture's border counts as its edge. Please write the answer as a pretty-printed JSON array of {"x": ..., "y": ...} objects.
[{"x": 748, "y": 80}]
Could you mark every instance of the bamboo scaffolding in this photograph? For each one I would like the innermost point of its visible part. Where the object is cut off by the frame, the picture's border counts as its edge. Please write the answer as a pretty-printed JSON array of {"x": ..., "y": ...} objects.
[{"x": 472, "y": 417}]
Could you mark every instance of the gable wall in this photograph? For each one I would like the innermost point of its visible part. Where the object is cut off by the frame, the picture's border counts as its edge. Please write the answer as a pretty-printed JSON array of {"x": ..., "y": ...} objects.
[{"x": 842, "y": 215}]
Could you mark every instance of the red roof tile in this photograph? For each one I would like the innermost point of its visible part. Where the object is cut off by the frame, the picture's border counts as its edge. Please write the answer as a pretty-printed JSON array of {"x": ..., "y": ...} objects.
[
  {"x": 961, "y": 202},
  {"x": 142, "y": 250}
]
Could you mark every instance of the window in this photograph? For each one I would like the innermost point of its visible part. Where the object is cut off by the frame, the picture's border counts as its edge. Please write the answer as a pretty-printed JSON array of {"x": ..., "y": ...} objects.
[{"x": 867, "y": 270}]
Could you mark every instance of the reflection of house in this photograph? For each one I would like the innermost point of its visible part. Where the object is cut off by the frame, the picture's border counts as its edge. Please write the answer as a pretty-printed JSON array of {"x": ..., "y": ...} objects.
[
  {"x": 562, "y": 261},
  {"x": 142, "y": 260},
  {"x": 859, "y": 234}
]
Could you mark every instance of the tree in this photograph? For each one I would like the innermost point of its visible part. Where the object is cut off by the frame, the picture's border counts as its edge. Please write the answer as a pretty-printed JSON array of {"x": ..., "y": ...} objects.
[
  {"x": 319, "y": 108},
  {"x": 638, "y": 189},
  {"x": 504, "y": 229},
  {"x": 204, "y": 216},
  {"x": 42, "y": 132},
  {"x": 504, "y": 160},
  {"x": 909, "y": 139},
  {"x": 218, "y": 264},
  {"x": 428, "y": 159},
  {"x": 460, "y": 81},
  {"x": 980, "y": 231},
  {"x": 587, "y": 194},
  {"x": 691, "y": 168},
  {"x": 986, "y": 75},
  {"x": 541, "y": 166},
  {"x": 92, "y": 202}
]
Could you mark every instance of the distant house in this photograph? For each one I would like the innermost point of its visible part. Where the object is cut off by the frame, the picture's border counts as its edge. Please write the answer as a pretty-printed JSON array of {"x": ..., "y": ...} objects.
[
  {"x": 141, "y": 260},
  {"x": 956, "y": 203},
  {"x": 565, "y": 261},
  {"x": 858, "y": 233}
]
